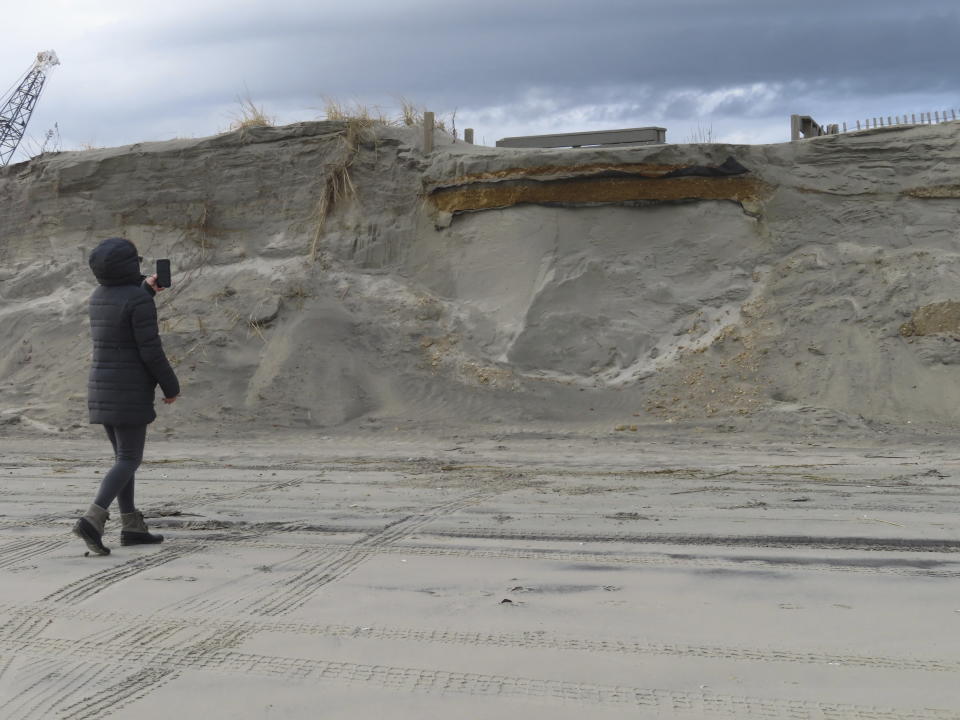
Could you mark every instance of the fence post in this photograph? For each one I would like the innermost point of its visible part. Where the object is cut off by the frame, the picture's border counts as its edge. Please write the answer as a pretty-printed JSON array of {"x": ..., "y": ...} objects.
[
  {"x": 953, "y": 114},
  {"x": 937, "y": 115},
  {"x": 858, "y": 124},
  {"x": 913, "y": 118},
  {"x": 427, "y": 131},
  {"x": 844, "y": 127},
  {"x": 468, "y": 135}
]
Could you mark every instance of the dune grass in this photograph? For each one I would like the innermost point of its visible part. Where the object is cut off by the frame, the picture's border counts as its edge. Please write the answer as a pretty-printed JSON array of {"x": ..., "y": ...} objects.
[
  {"x": 360, "y": 124},
  {"x": 250, "y": 115}
]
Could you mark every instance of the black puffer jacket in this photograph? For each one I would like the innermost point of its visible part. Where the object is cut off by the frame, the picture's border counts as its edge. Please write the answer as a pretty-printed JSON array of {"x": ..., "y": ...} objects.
[{"x": 128, "y": 358}]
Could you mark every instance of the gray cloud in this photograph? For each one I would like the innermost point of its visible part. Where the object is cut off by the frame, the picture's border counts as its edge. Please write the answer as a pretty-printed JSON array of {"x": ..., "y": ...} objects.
[
  {"x": 631, "y": 61},
  {"x": 494, "y": 54}
]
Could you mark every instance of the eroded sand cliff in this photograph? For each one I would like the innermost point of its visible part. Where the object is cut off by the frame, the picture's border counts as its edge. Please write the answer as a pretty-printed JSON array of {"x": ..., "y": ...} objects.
[{"x": 323, "y": 281}]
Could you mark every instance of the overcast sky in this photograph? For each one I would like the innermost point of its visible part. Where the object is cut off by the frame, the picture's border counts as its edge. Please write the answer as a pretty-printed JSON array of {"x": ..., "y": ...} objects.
[{"x": 133, "y": 70}]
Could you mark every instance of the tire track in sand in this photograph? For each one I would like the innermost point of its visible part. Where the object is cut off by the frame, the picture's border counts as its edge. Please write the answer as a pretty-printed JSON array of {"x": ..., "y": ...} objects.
[
  {"x": 18, "y": 551},
  {"x": 58, "y": 684},
  {"x": 91, "y": 585},
  {"x": 87, "y": 587},
  {"x": 919, "y": 568},
  {"x": 42, "y": 520},
  {"x": 215, "y": 496},
  {"x": 229, "y": 632},
  {"x": 275, "y": 597},
  {"x": 128, "y": 690},
  {"x": 293, "y": 593},
  {"x": 875, "y": 544},
  {"x": 160, "y": 666}
]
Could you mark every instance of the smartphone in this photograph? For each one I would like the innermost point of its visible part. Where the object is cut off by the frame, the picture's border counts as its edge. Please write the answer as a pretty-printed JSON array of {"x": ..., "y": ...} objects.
[{"x": 163, "y": 273}]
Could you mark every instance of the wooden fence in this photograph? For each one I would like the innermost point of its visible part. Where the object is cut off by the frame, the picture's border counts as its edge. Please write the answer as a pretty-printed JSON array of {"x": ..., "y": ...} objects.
[
  {"x": 924, "y": 118},
  {"x": 803, "y": 126}
]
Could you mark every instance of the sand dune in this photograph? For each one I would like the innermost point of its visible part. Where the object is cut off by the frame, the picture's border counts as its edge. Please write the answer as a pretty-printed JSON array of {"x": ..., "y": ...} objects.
[{"x": 733, "y": 286}]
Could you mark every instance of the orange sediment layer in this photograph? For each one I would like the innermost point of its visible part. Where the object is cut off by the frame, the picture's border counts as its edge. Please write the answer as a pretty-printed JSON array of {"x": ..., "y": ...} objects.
[
  {"x": 590, "y": 190},
  {"x": 934, "y": 192},
  {"x": 545, "y": 172}
]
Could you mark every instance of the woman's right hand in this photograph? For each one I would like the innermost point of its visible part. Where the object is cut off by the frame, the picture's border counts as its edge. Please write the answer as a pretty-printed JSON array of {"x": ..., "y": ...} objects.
[{"x": 170, "y": 401}]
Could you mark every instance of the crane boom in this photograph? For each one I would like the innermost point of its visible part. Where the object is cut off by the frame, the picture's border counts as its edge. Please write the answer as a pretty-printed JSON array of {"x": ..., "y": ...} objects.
[{"x": 16, "y": 109}]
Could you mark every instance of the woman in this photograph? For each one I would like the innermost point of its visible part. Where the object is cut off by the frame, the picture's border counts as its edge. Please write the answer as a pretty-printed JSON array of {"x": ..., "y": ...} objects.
[{"x": 128, "y": 364}]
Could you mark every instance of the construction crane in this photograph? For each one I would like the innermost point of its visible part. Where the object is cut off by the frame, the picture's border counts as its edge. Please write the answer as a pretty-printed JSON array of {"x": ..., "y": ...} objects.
[{"x": 17, "y": 106}]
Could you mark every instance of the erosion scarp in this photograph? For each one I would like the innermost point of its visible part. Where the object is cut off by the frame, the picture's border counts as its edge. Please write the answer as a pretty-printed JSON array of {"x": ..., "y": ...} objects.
[{"x": 326, "y": 277}]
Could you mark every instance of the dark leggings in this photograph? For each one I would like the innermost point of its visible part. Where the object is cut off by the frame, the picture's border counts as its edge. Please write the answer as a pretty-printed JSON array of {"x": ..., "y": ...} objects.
[{"x": 128, "y": 442}]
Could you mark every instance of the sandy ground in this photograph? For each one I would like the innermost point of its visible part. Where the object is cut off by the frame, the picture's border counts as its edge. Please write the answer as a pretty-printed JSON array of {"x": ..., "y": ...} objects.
[{"x": 530, "y": 575}]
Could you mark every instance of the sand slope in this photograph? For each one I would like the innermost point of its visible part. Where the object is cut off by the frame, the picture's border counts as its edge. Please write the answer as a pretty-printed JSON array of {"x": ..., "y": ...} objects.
[{"x": 798, "y": 284}]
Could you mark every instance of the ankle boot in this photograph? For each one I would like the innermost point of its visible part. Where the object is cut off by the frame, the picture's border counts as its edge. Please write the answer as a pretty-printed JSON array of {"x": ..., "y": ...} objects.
[
  {"x": 135, "y": 532},
  {"x": 89, "y": 528}
]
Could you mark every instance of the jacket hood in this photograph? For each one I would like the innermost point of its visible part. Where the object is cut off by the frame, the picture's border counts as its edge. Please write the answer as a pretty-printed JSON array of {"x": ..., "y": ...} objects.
[{"x": 114, "y": 262}]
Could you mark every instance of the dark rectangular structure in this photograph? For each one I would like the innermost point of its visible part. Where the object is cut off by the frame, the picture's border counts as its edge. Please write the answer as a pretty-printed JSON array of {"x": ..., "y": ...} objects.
[{"x": 627, "y": 136}]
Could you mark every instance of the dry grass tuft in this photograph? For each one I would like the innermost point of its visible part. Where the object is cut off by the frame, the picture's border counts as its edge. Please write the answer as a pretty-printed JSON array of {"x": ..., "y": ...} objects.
[
  {"x": 335, "y": 110},
  {"x": 360, "y": 123},
  {"x": 339, "y": 185},
  {"x": 249, "y": 115},
  {"x": 410, "y": 114}
]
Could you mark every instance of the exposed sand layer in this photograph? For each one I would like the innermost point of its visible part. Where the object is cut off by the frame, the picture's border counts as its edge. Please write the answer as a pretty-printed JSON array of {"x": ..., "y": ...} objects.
[
  {"x": 505, "y": 576},
  {"x": 328, "y": 279},
  {"x": 573, "y": 186}
]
